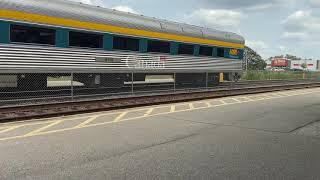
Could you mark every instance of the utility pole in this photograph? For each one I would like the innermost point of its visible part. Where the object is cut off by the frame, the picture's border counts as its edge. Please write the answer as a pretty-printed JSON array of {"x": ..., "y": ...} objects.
[{"x": 246, "y": 59}]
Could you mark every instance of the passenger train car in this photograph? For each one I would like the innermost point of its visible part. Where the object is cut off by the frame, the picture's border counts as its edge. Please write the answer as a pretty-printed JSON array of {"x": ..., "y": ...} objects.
[{"x": 103, "y": 47}]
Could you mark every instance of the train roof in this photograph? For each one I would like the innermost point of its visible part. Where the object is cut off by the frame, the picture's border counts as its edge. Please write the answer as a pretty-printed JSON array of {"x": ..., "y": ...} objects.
[{"x": 94, "y": 14}]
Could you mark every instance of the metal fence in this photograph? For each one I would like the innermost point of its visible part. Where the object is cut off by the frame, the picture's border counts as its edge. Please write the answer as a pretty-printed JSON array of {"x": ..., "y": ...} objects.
[{"x": 21, "y": 89}]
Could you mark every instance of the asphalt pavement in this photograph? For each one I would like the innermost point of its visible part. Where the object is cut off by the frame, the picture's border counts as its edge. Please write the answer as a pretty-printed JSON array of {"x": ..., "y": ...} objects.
[{"x": 263, "y": 136}]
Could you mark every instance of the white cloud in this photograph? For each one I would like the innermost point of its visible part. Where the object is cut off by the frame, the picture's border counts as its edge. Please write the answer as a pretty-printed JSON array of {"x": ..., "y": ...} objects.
[
  {"x": 307, "y": 20},
  {"x": 302, "y": 26},
  {"x": 85, "y": 1},
  {"x": 245, "y": 4},
  {"x": 301, "y": 32},
  {"x": 282, "y": 48},
  {"x": 287, "y": 50},
  {"x": 125, "y": 9},
  {"x": 294, "y": 35},
  {"x": 298, "y": 16},
  {"x": 260, "y": 47},
  {"x": 314, "y": 3},
  {"x": 217, "y": 18},
  {"x": 260, "y": 7},
  {"x": 92, "y": 2}
]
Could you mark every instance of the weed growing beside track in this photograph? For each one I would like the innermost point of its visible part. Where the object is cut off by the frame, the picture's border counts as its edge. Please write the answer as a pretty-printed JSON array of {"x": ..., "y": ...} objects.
[{"x": 280, "y": 75}]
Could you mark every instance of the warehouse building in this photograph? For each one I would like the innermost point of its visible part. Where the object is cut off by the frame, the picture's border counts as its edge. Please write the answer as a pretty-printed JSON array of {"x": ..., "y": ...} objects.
[{"x": 284, "y": 63}]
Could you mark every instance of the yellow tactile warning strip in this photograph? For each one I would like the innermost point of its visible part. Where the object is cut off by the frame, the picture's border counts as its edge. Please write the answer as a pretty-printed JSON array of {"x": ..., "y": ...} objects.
[{"x": 26, "y": 129}]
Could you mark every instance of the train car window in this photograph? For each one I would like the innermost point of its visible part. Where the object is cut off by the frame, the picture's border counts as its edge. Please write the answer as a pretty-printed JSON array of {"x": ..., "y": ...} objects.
[
  {"x": 125, "y": 43},
  {"x": 186, "y": 49},
  {"x": 205, "y": 51},
  {"x": 79, "y": 39},
  {"x": 34, "y": 35},
  {"x": 220, "y": 52},
  {"x": 159, "y": 46}
]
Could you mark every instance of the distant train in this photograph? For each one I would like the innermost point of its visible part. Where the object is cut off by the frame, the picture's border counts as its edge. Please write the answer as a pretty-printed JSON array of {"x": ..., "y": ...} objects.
[{"x": 103, "y": 47}]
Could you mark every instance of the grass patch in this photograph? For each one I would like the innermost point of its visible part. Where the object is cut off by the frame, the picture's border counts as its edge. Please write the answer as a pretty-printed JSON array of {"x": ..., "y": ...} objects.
[{"x": 285, "y": 75}]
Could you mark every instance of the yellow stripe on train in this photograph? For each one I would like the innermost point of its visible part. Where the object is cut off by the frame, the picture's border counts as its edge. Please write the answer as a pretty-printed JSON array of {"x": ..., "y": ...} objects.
[{"x": 50, "y": 20}]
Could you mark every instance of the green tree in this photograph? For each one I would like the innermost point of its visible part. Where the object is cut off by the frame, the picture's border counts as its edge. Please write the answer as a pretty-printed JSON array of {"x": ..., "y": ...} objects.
[
  {"x": 304, "y": 66},
  {"x": 253, "y": 60}
]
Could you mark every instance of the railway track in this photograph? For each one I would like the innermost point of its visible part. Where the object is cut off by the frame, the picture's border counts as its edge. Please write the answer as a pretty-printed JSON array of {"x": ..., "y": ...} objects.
[
  {"x": 144, "y": 98},
  {"x": 62, "y": 93}
]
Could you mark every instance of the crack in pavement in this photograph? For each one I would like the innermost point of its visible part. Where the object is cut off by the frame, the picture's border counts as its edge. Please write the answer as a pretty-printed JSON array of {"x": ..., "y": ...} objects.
[
  {"x": 304, "y": 125},
  {"x": 225, "y": 125}
]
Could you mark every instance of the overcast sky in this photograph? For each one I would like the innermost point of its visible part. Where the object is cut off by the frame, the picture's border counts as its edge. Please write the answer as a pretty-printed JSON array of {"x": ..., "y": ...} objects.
[{"x": 271, "y": 27}]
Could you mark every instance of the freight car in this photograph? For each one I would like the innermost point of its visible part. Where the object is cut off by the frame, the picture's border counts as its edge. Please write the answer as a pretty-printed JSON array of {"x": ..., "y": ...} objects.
[{"x": 104, "y": 47}]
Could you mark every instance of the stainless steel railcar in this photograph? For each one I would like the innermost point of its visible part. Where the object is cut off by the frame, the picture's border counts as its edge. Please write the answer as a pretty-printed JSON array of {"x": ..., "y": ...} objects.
[{"x": 103, "y": 46}]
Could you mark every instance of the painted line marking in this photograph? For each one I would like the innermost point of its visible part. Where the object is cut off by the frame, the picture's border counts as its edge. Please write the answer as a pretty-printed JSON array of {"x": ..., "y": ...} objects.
[
  {"x": 301, "y": 93},
  {"x": 268, "y": 97},
  {"x": 71, "y": 118},
  {"x": 284, "y": 94},
  {"x": 87, "y": 121},
  {"x": 208, "y": 104},
  {"x": 118, "y": 118},
  {"x": 43, "y": 128},
  {"x": 247, "y": 99},
  {"x": 173, "y": 108},
  {"x": 223, "y": 102},
  {"x": 200, "y": 104},
  {"x": 148, "y": 112},
  {"x": 277, "y": 94},
  {"x": 258, "y": 98},
  {"x": 75, "y": 117},
  {"x": 235, "y": 99},
  {"x": 191, "y": 106},
  {"x": 42, "y": 132},
  {"x": 10, "y": 129},
  {"x": 292, "y": 93},
  {"x": 5, "y": 127}
]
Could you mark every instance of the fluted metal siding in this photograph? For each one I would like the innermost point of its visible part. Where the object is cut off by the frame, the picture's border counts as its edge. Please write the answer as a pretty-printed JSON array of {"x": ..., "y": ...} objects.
[
  {"x": 81, "y": 12},
  {"x": 52, "y": 59}
]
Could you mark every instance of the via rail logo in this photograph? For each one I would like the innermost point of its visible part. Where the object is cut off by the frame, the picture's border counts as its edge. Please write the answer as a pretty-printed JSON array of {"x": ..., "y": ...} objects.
[
  {"x": 146, "y": 62},
  {"x": 234, "y": 52}
]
